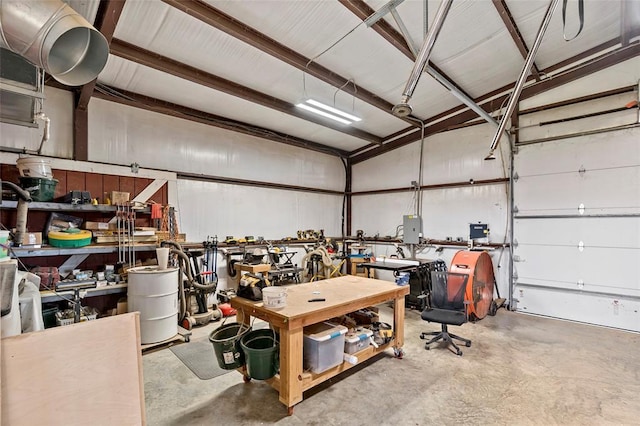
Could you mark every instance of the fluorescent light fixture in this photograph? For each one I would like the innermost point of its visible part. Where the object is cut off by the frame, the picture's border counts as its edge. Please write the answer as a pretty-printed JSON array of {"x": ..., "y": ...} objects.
[
  {"x": 332, "y": 110},
  {"x": 322, "y": 113}
]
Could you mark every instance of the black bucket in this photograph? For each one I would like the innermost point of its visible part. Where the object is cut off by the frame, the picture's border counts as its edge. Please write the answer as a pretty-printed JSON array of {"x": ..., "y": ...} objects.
[
  {"x": 261, "y": 351},
  {"x": 226, "y": 345}
]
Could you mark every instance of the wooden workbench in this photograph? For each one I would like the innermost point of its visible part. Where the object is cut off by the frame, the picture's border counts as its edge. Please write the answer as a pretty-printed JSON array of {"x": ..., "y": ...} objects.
[{"x": 343, "y": 295}]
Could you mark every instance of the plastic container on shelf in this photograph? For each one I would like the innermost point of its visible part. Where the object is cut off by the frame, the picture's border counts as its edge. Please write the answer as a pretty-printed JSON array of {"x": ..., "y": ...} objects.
[
  {"x": 35, "y": 167},
  {"x": 41, "y": 189},
  {"x": 357, "y": 340},
  {"x": 4, "y": 242},
  {"x": 70, "y": 238},
  {"x": 323, "y": 346}
]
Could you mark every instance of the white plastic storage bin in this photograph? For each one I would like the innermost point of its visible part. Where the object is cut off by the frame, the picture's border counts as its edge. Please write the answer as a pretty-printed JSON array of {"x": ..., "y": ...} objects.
[
  {"x": 323, "y": 346},
  {"x": 357, "y": 340}
]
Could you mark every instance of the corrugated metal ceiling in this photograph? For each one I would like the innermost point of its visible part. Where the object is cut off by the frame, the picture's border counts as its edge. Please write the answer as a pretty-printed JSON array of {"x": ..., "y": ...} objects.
[{"x": 475, "y": 50}]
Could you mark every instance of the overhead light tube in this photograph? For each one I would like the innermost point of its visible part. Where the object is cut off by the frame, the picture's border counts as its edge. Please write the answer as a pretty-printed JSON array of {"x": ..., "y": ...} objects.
[
  {"x": 323, "y": 113},
  {"x": 332, "y": 109}
]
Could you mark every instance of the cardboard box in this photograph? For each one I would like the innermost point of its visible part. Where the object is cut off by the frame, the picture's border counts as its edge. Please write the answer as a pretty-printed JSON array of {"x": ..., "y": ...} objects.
[
  {"x": 100, "y": 226},
  {"x": 118, "y": 197},
  {"x": 32, "y": 239},
  {"x": 121, "y": 307}
]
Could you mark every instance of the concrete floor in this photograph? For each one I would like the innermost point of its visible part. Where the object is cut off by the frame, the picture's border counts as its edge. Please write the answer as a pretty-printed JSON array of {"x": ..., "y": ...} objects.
[{"x": 520, "y": 369}]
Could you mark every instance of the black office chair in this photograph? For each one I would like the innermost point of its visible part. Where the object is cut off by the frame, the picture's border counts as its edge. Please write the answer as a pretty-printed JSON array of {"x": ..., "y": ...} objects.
[{"x": 448, "y": 307}]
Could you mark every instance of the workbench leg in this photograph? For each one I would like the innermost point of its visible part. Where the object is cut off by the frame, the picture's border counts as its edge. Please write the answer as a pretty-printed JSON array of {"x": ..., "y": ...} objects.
[
  {"x": 242, "y": 317},
  {"x": 290, "y": 367},
  {"x": 398, "y": 325}
]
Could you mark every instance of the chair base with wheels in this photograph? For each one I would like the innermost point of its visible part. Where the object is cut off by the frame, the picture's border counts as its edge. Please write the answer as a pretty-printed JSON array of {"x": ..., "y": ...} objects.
[{"x": 445, "y": 336}]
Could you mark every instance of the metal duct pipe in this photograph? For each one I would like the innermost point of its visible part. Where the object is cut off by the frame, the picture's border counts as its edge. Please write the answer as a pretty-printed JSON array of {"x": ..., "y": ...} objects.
[
  {"x": 53, "y": 36},
  {"x": 513, "y": 100},
  {"x": 403, "y": 109}
]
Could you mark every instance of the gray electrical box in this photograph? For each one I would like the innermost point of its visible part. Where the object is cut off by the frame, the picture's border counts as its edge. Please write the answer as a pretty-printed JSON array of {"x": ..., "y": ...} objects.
[{"x": 412, "y": 226}]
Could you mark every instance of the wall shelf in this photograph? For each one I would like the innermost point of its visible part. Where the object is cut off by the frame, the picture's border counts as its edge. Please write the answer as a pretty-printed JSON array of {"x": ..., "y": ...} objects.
[
  {"x": 90, "y": 249},
  {"x": 65, "y": 207},
  {"x": 56, "y": 296}
]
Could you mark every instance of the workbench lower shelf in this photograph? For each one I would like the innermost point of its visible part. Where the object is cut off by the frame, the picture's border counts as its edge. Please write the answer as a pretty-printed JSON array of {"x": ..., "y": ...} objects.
[{"x": 310, "y": 380}]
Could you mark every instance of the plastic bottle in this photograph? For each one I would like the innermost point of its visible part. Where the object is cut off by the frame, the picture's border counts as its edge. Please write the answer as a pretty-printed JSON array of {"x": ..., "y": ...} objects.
[{"x": 351, "y": 359}]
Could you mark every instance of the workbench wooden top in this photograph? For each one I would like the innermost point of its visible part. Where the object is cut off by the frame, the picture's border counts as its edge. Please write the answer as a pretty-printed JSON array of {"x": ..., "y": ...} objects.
[{"x": 341, "y": 294}]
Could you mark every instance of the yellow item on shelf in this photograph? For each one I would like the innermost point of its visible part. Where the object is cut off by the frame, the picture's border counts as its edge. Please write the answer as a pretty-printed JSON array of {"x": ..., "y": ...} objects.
[{"x": 70, "y": 238}]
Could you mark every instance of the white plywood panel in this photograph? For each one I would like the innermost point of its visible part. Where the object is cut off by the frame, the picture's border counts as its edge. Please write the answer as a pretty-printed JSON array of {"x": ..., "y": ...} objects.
[
  {"x": 58, "y": 106},
  {"x": 454, "y": 156},
  {"x": 123, "y": 135},
  {"x": 593, "y": 309}
]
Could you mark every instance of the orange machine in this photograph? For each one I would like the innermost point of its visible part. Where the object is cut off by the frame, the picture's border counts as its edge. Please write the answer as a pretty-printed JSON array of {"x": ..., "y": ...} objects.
[{"x": 479, "y": 293}]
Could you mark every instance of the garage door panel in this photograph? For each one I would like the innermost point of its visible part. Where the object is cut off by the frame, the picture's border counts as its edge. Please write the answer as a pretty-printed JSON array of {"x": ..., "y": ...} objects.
[
  {"x": 621, "y": 232},
  {"x": 616, "y": 312},
  {"x": 600, "y": 191},
  {"x": 593, "y": 152},
  {"x": 594, "y": 267},
  {"x": 597, "y": 281}
]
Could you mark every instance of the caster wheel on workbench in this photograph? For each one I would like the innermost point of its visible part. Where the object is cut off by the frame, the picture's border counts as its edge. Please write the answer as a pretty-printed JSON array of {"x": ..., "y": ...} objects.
[
  {"x": 398, "y": 353},
  {"x": 246, "y": 379}
]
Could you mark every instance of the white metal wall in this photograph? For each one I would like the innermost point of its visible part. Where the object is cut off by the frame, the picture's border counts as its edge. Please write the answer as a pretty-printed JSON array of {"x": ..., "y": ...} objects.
[
  {"x": 455, "y": 156},
  {"x": 208, "y": 209},
  {"x": 124, "y": 135}
]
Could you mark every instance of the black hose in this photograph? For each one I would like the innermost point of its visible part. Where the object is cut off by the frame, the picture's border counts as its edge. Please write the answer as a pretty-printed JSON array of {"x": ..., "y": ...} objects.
[
  {"x": 187, "y": 268},
  {"x": 21, "y": 193},
  {"x": 231, "y": 270}
]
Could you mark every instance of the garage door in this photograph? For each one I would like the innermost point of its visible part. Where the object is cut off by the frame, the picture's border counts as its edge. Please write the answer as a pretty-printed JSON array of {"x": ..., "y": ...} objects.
[{"x": 577, "y": 229}]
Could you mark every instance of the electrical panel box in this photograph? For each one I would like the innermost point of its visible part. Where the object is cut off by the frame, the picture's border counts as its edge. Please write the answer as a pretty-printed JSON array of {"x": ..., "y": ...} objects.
[
  {"x": 478, "y": 230},
  {"x": 412, "y": 226}
]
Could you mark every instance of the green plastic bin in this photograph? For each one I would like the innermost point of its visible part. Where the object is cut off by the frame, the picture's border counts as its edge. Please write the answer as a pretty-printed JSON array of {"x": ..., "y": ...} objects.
[{"x": 40, "y": 189}]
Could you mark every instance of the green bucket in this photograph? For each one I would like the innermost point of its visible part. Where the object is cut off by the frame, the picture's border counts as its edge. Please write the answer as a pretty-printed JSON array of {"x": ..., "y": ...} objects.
[
  {"x": 260, "y": 349},
  {"x": 226, "y": 345},
  {"x": 41, "y": 189}
]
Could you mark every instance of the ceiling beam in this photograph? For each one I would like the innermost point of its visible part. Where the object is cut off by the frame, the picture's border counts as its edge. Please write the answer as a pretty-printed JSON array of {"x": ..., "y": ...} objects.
[
  {"x": 235, "y": 28},
  {"x": 136, "y": 100},
  {"x": 510, "y": 24},
  {"x": 162, "y": 63},
  {"x": 579, "y": 71},
  {"x": 362, "y": 10},
  {"x": 107, "y": 17}
]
